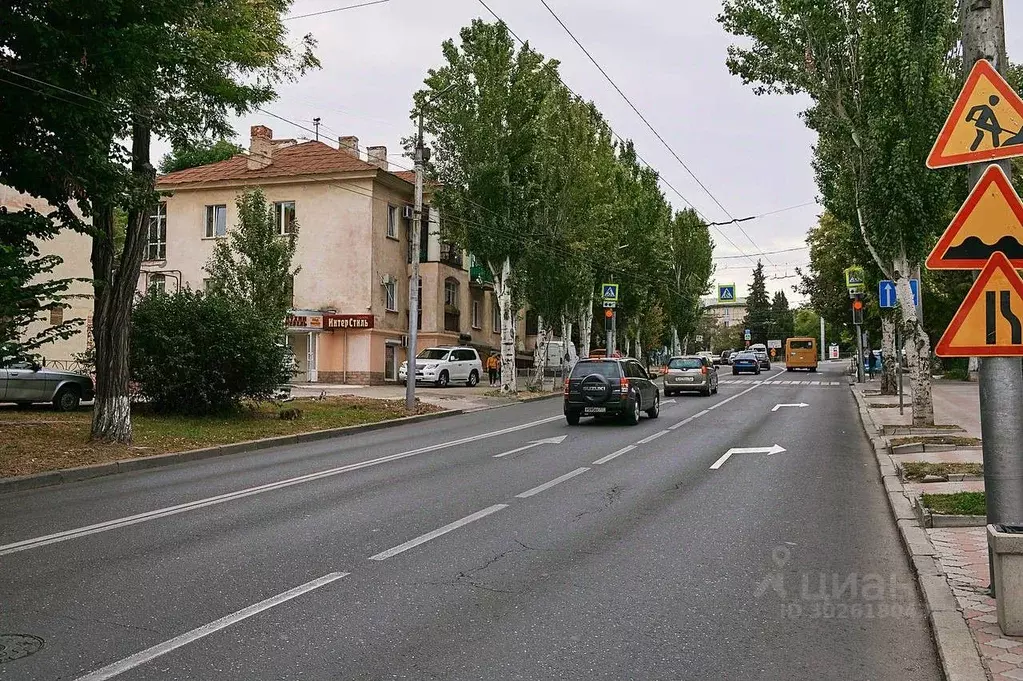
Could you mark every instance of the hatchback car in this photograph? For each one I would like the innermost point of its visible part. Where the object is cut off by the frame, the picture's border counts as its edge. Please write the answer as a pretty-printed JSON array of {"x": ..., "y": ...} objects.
[
  {"x": 27, "y": 383},
  {"x": 694, "y": 373},
  {"x": 442, "y": 366},
  {"x": 610, "y": 387},
  {"x": 764, "y": 359},
  {"x": 745, "y": 361}
]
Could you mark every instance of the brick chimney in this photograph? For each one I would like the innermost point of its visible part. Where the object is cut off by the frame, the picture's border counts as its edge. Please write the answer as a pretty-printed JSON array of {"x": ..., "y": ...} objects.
[
  {"x": 349, "y": 145},
  {"x": 378, "y": 157},
  {"x": 261, "y": 148}
]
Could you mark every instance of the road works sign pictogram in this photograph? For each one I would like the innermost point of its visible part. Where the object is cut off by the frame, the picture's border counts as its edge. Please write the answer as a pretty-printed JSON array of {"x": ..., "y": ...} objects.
[
  {"x": 986, "y": 123},
  {"x": 988, "y": 323},
  {"x": 990, "y": 221}
]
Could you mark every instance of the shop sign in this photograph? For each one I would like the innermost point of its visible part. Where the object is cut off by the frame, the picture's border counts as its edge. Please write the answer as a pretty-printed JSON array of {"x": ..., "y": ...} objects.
[
  {"x": 301, "y": 321},
  {"x": 348, "y": 321}
]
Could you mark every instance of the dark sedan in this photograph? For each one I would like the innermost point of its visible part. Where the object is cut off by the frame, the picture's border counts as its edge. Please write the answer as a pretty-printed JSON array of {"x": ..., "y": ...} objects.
[{"x": 745, "y": 361}]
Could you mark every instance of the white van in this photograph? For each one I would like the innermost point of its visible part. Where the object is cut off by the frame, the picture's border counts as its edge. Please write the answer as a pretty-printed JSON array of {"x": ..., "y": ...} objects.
[{"x": 556, "y": 350}]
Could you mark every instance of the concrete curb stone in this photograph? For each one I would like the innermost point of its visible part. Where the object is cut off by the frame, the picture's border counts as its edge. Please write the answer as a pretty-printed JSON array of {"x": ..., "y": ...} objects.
[
  {"x": 957, "y": 651},
  {"x": 49, "y": 478}
]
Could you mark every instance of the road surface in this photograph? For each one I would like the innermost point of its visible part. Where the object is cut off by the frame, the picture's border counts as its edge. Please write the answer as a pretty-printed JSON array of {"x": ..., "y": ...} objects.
[{"x": 603, "y": 552}]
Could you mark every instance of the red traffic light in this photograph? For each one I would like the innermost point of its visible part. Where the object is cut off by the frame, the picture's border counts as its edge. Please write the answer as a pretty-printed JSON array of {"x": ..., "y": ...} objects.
[
  {"x": 609, "y": 313},
  {"x": 857, "y": 304}
]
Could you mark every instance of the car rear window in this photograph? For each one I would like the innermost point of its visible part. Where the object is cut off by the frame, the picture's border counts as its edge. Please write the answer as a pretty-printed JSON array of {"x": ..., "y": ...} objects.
[
  {"x": 745, "y": 355},
  {"x": 605, "y": 369},
  {"x": 685, "y": 363},
  {"x": 801, "y": 344}
]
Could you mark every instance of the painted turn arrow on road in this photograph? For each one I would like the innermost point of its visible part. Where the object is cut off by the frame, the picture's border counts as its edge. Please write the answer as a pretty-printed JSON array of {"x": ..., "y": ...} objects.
[
  {"x": 535, "y": 443},
  {"x": 774, "y": 449},
  {"x": 798, "y": 404}
]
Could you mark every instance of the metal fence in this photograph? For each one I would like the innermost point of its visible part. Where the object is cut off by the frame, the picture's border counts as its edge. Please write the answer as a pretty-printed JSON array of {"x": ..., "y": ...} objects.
[{"x": 553, "y": 379}]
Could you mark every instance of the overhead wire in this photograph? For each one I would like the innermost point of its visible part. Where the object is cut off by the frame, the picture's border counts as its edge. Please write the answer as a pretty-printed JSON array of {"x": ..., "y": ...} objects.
[{"x": 335, "y": 9}]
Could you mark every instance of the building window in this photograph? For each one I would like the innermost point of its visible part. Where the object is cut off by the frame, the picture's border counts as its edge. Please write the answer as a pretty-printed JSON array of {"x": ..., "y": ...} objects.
[
  {"x": 451, "y": 311},
  {"x": 284, "y": 215},
  {"x": 157, "y": 283},
  {"x": 216, "y": 221},
  {"x": 156, "y": 235},
  {"x": 532, "y": 323},
  {"x": 391, "y": 296},
  {"x": 57, "y": 315},
  {"x": 477, "y": 317},
  {"x": 451, "y": 292},
  {"x": 392, "y": 222},
  {"x": 495, "y": 309}
]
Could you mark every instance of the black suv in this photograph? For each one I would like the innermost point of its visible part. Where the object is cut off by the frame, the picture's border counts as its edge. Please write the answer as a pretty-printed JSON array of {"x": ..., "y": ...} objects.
[{"x": 610, "y": 387}]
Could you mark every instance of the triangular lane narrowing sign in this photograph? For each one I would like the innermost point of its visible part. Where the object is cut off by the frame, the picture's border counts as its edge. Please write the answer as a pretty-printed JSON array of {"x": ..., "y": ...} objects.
[
  {"x": 991, "y": 220},
  {"x": 986, "y": 123},
  {"x": 988, "y": 323}
]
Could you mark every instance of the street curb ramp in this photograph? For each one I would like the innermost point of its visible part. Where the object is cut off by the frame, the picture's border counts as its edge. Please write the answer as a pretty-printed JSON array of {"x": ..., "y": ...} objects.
[
  {"x": 64, "y": 475},
  {"x": 960, "y": 659}
]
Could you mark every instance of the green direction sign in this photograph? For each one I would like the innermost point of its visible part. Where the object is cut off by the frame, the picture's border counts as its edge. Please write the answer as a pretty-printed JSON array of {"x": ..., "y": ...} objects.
[
  {"x": 610, "y": 292},
  {"x": 855, "y": 279}
]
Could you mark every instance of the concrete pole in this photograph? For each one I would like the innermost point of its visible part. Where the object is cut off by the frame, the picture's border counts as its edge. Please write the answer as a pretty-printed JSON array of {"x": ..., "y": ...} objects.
[
  {"x": 822, "y": 338},
  {"x": 859, "y": 353},
  {"x": 413, "y": 286},
  {"x": 1001, "y": 378}
]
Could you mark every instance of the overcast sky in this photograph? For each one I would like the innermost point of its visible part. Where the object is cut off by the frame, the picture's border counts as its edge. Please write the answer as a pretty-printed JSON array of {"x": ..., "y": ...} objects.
[{"x": 752, "y": 153}]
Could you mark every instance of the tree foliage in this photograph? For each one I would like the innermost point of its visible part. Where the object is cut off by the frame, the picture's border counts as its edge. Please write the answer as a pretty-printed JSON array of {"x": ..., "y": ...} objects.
[
  {"x": 194, "y": 154},
  {"x": 758, "y": 308},
  {"x": 782, "y": 321}
]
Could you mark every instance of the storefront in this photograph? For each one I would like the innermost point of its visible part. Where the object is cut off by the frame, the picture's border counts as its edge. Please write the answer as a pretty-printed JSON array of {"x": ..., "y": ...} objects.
[
  {"x": 343, "y": 348},
  {"x": 304, "y": 330}
]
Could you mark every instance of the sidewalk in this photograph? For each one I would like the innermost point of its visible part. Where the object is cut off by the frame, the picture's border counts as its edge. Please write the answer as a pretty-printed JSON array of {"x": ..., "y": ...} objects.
[{"x": 959, "y": 555}]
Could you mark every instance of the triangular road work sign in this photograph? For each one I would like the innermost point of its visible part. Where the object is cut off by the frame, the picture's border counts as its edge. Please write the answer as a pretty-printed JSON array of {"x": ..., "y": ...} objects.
[
  {"x": 990, "y": 221},
  {"x": 988, "y": 323},
  {"x": 986, "y": 123}
]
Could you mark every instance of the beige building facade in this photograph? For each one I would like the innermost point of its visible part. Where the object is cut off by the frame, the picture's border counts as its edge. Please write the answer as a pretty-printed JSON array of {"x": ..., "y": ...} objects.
[
  {"x": 727, "y": 314},
  {"x": 349, "y": 322}
]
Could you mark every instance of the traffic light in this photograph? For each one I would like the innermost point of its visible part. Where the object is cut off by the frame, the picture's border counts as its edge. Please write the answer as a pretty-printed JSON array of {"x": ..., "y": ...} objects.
[
  {"x": 857, "y": 310},
  {"x": 609, "y": 313}
]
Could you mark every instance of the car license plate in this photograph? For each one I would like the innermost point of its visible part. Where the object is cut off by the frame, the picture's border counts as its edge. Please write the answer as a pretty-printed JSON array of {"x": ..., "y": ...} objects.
[
  {"x": 687, "y": 379},
  {"x": 594, "y": 410}
]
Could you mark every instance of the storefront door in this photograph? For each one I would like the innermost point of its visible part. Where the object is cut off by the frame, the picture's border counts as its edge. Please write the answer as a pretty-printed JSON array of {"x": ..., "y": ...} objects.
[{"x": 391, "y": 362}]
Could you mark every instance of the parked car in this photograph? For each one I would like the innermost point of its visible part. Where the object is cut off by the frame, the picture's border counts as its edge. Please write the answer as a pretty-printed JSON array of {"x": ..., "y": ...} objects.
[
  {"x": 28, "y": 383},
  {"x": 610, "y": 387},
  {"x": 690, "y": 374},
  {"x": 443, "y": 365},
  {"x": 764, "y": 359},
  {"x": 745, "y": 361}
]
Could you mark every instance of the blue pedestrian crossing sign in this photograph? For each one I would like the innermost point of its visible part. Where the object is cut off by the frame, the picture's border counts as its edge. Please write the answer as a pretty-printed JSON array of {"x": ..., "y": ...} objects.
[
  {"x": 610, "y": 291},
  {"x": 726, "y": 293},
  {"x": 887, "y": 297}
]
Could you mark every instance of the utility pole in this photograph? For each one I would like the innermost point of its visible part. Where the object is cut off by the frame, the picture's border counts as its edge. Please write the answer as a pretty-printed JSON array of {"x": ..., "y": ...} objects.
[
  {"x": 822, "y": 337},
  {"x": 1001, "y": 378}
]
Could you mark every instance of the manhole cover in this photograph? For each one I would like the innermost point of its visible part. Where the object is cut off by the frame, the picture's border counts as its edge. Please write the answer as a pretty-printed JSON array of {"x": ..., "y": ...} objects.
[{"x": 15, "y": 646}]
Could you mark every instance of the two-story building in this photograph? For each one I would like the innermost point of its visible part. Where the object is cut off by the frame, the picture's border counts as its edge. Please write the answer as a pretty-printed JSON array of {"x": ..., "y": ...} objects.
[
  {"x": 349, "y": 322},
  {"x": 727, "y": 313}
]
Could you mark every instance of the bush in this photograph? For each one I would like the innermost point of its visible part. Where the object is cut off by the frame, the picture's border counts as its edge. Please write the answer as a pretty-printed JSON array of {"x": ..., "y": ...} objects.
[
  {"x": 193, "y": 353},
  {"x": 957, "y": 368}
]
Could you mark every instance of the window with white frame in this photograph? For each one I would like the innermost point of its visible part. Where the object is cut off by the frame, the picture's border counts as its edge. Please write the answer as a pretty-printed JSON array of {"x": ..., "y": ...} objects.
[
  {"x": 156, "y": 234},
  {"x": 284, "y": 215},
  {"x": 158, "y": 283},
  {"x": 477, "y": 316},
  {"x": 451, "y": 292},
  {"x": 391, "y": 295},
  {"x": 392, "y": 222},
  {"x": 216, "y": 221}
]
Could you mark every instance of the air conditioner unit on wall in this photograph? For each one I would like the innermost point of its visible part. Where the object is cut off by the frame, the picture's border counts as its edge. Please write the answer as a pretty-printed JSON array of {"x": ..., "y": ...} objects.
[{"x": 407, "y": 212}]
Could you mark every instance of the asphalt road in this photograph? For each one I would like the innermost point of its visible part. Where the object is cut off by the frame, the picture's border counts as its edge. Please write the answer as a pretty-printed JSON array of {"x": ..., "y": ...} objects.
[{"x": 417, "y": 553}]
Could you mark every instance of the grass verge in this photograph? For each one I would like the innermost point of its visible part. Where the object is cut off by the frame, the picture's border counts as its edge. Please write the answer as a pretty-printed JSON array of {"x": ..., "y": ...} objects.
[
  {"x": 38, "y": 439},
  {"x": 957, "y": 440},
  {"x": 959, "y": 503},
  {"x": 918, "y": 470}
]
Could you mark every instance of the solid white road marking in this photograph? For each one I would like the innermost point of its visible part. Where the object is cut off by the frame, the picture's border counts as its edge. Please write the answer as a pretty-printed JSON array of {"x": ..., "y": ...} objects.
[
  {"x": 614, "y": 455},
  {"x": 156, "y": 651},
  {"x": 535, "y": 443},
  {"x": 67, "y": 535},
  {"x": 671, "y": 401},
  {"x": 798, "y": 404},
  {"x": 651, "y": 438},
  {"x": 775, "y": 449},
  {"x": 422, "y": 539},
  {"x": 551, "y": 483}
]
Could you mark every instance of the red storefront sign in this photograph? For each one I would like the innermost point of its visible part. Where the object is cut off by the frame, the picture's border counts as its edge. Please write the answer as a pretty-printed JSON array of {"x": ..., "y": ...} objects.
[{"x": 348, "y": 321}]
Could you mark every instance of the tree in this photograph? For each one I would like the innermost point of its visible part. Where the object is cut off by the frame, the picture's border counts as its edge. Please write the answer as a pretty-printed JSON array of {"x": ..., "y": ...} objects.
[
  {"x": 881, "y": 76},
  {"x": 782, "y": 322},
  {"x": 689, "y": 251},
  {"x": 193, "y": 155},
  {"x": 758, "y": 307},
  {"x": 84, "y": 77},
  {"x": 26, "y": 287},
  {"x": 806, "y": 323},
  {"x": 254, "y": 262}
]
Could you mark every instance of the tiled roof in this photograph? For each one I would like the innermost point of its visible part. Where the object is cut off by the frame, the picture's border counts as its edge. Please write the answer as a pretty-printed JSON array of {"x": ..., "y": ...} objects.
[
  {"x": 407, "y": 175},
  {"x": 307, "y": 158}
]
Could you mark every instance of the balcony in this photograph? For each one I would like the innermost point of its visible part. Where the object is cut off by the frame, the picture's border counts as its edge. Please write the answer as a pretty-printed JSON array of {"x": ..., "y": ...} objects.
[
  {"x": 480, "y": 275},
  {"x": 451, "y": 255}
]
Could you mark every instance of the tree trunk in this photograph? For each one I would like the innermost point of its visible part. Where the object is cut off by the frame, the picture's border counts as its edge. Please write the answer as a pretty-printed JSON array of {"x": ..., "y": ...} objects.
[
  {"x": 628, "y": 345},
  {"x": 889, "y": 383},
  {"x": 917, "y": 345},
  {"x": 676, "y": 347},
  {"x": 544, "y": 332},
  {"x": 566, "y": 341},
  {"x": 586, "y": 327},
  {"x": 639, "y": 348},
  {"x": 114, "y": 290},
  {"x": 502, "y": 287}
]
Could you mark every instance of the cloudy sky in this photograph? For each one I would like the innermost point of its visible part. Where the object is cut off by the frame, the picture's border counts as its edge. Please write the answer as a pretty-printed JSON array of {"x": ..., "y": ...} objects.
[{"x": 668, "y": 56}]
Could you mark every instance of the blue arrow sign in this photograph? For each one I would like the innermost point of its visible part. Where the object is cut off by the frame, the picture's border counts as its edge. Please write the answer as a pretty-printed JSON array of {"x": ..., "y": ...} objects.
[{"x": 886, "y": 294}]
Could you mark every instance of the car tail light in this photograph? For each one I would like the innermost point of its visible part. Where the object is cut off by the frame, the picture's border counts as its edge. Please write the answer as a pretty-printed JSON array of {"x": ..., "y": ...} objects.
[
  {"x": 664, "y": 371},
  {"x": 703, "y": 370},
  {"x": 565, "y": 392},
  {"x": 625, "y": 385}
]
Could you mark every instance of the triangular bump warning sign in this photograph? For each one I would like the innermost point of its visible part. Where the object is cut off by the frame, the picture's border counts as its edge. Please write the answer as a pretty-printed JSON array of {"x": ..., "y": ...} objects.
[
  {"x": 989, "y": 323},
  {"x": 986, "y": 123},
  {"x": 989, "y": 221}
]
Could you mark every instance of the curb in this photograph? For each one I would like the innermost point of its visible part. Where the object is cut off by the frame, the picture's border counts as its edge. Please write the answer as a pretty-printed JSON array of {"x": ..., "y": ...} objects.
[
  {"x": 65, "y": 475},
  {"x": 960, "y": 659}
]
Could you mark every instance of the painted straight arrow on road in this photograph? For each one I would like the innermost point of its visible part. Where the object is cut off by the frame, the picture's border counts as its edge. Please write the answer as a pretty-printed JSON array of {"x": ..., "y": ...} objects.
[
  {"x": 774, "y": 449},
  {"x": 798, "y": 404},
  {"x": 535, "y": 443}
]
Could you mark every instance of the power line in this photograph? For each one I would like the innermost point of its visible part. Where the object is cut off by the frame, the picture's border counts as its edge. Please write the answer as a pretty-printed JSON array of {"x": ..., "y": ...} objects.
[
  {"x": 783, "y": 250},
  {"x": 649, "y": 125},
  {"x": 336, "y": 9}
]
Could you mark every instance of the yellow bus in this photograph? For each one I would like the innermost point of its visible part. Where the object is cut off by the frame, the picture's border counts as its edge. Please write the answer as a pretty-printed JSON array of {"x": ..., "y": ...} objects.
[{"x": 801, "y": 353}]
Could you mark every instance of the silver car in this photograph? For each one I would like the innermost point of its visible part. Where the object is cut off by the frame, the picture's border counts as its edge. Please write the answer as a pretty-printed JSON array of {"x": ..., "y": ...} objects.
[
  {"x": 27, "y": 383},
  {"x": 693, "y": 373}
]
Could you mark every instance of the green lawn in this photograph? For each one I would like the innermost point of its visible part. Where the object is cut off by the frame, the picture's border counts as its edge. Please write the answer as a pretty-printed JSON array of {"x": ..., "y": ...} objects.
[
  {"x": 959, "y": 503},
  {"x": 39, "y": 439},
  {"x": 917, "y": 470}
]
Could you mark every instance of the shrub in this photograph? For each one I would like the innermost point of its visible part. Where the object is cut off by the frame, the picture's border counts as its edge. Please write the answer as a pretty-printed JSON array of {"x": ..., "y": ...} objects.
[{"x": 193, "y": 353}]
